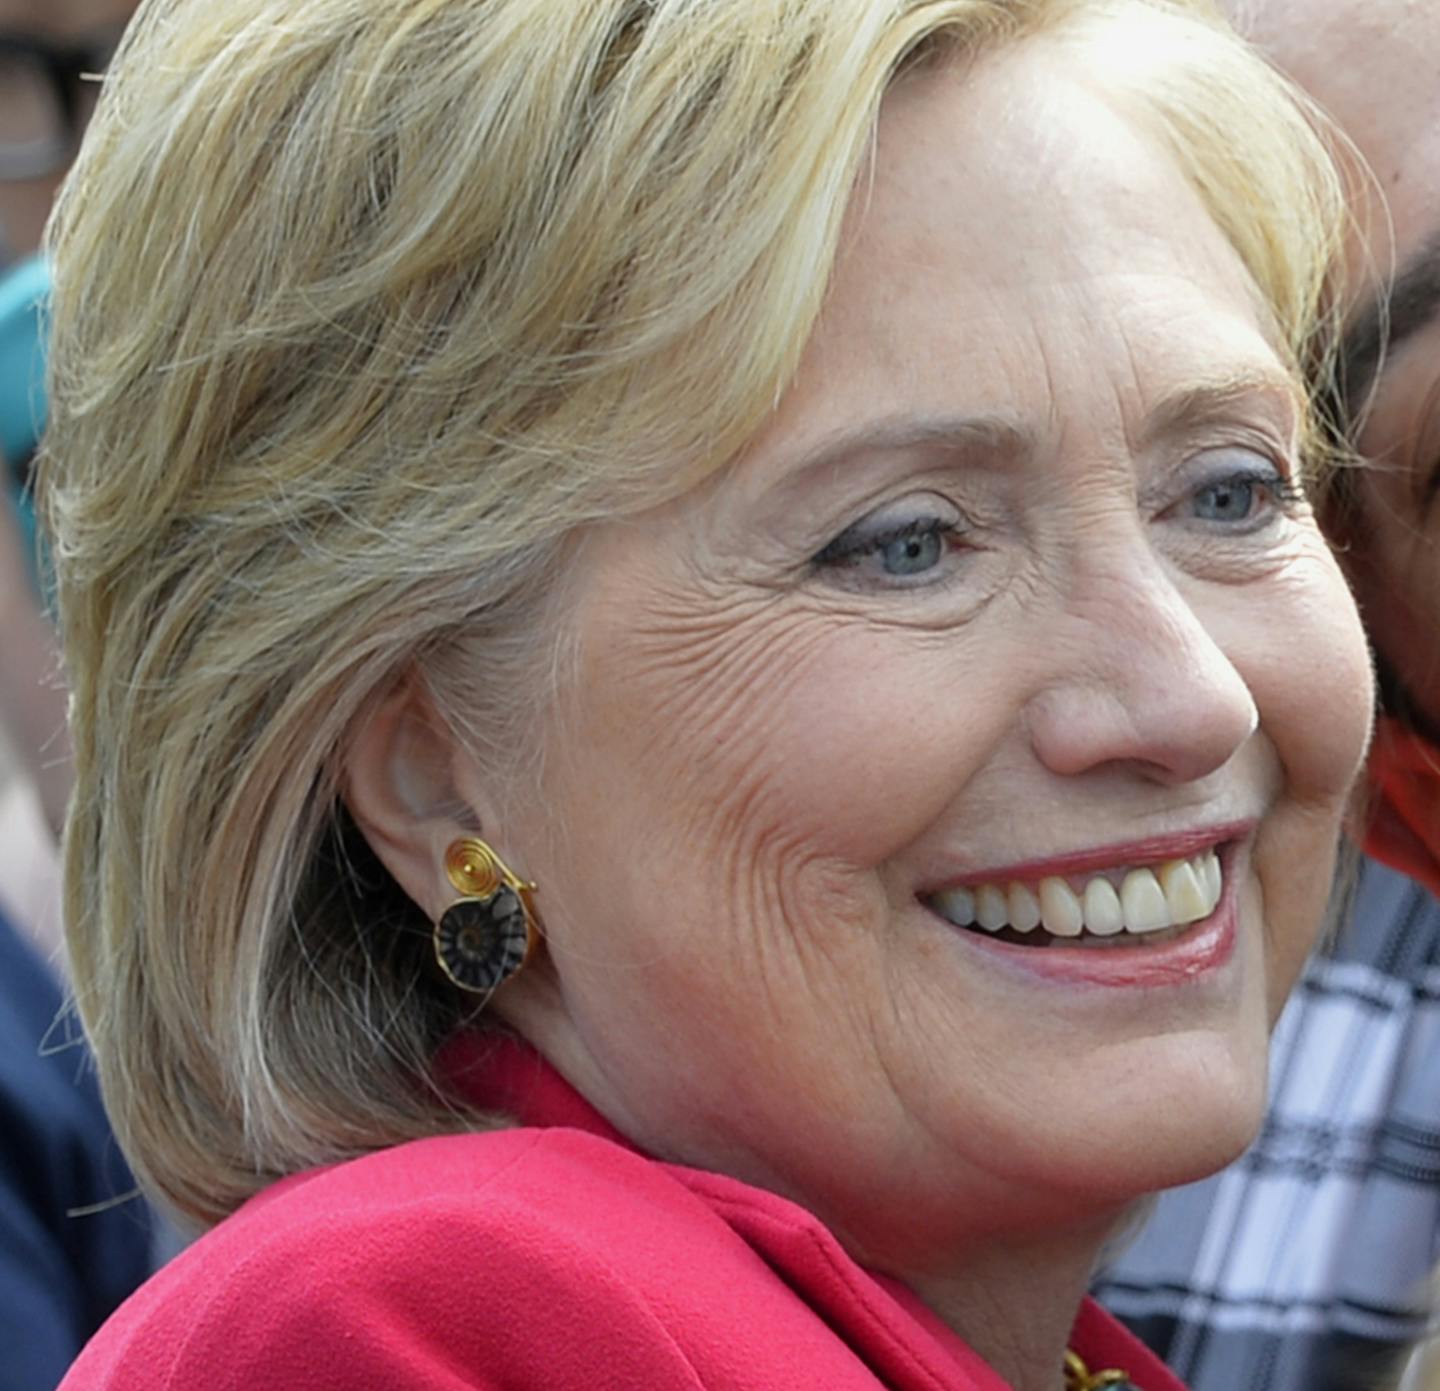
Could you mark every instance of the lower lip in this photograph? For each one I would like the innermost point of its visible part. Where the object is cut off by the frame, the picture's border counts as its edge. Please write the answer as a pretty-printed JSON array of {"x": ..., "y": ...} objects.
[{"x": 1205, "y": 948}]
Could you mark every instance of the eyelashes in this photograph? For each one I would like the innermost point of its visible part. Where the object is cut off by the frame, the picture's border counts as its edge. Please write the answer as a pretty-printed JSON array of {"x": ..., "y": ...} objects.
[
  {"x": 924, "y": 540},
  {"x": 898, "y": 546},
  {"x": 1232, "y": 501}
]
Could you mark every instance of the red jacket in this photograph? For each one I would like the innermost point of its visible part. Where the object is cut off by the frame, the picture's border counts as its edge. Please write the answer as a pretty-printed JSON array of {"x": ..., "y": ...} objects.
[{"x": 542, "y": 1258}]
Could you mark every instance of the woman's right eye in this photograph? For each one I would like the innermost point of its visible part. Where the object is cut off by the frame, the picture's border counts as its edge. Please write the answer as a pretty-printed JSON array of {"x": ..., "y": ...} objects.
[
  {"x": 901, "y": 549},
  {"x": 918, "y": 550}
]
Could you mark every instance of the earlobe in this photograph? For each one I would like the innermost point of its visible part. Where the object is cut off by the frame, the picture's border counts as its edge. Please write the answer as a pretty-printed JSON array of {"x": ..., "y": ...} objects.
[
  {"x": 399, "y": 787},
  {"x": 405, "y": 783}
]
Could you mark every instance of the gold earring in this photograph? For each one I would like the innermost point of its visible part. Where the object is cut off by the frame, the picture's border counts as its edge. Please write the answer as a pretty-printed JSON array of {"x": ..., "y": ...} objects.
[{"x": 490, "y": 931}]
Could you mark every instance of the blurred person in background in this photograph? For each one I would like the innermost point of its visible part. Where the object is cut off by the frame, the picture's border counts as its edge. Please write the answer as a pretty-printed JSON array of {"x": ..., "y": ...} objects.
[
  {"x": 50, "y": 53},
  {"x": 74, "y": 1241},
  {"x": 1303, "y": 1267}
]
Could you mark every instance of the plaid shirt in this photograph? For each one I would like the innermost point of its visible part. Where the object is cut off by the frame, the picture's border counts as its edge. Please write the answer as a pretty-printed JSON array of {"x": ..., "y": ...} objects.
[{"x": 1303, "y": 1267}]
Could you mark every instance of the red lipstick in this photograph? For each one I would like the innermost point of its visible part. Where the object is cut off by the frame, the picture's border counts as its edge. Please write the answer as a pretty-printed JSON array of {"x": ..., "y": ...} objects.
[
  {"x": 1133, "y": 854},
  {"x": 1202, "y": 948}
]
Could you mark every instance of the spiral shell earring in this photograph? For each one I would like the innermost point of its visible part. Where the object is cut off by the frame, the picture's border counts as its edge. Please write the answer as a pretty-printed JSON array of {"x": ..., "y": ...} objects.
[{"x": 491, "y": 930}]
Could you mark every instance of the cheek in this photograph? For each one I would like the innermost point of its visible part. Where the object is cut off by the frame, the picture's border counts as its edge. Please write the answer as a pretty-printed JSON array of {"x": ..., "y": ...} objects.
[
  {"x": 835, "y": 739},
  {"x": 1306, "y": 661},
  {"x": 762, "y": 801},
  {"x": 1308, "y": 667},
  {"x": 878, "y": 733}
]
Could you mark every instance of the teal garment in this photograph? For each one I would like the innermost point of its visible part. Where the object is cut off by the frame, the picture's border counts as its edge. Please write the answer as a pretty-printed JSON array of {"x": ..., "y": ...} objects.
[{"x": 24, "y": 290}]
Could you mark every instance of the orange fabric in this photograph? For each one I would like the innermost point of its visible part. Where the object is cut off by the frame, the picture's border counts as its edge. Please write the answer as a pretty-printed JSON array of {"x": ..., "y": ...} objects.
[{"x": 1404, "y": 824}]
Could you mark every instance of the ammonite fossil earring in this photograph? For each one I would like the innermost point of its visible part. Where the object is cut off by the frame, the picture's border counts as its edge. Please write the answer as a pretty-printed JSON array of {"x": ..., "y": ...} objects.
[{"x": 491, "y": 930}]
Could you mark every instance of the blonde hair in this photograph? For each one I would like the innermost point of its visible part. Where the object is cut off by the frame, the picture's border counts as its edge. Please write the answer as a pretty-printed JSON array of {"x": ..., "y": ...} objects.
[{"x": 361, "y": 311}]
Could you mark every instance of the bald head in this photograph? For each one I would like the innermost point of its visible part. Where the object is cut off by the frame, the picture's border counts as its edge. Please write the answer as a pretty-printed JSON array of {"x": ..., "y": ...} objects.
[{"x": 1374, "y": 67}]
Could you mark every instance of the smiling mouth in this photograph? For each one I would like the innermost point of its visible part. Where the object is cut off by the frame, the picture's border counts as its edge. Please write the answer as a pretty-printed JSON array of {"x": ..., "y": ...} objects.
[{"x": 1142, "y": 906}]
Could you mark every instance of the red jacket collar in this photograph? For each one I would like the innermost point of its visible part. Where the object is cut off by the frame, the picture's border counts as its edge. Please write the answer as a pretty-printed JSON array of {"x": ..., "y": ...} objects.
[{"x": 499, "y": 1072}]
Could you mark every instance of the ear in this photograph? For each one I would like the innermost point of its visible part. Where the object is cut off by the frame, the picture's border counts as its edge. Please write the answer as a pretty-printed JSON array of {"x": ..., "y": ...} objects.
[{"x": 411, "y": 789}]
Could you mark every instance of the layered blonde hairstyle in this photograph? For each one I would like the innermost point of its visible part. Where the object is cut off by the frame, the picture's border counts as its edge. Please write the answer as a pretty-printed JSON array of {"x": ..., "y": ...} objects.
[{"x": 363, "y": 310}]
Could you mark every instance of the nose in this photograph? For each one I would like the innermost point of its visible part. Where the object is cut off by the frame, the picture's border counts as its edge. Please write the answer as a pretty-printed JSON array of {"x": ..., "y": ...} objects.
[{"x": 1137, "y": 679}]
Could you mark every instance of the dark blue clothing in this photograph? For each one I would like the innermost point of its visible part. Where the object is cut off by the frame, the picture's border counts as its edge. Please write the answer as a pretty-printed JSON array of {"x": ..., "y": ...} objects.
[{"x": 61, "y": 1272}]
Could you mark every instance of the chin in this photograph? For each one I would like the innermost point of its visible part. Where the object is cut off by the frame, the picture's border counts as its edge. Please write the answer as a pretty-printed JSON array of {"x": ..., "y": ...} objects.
[
  {"x": 1173, "y": 1111},
  {"x": 1205, "y": 1118}
]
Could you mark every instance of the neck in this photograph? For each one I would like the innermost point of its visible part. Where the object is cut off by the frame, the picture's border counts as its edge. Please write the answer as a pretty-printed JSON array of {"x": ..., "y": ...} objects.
[{"x": 1015, "y": 1302}]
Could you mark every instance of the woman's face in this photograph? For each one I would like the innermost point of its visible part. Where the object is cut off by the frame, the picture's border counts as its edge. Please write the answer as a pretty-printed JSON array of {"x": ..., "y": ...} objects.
[{"x": 1013, "y": 589}]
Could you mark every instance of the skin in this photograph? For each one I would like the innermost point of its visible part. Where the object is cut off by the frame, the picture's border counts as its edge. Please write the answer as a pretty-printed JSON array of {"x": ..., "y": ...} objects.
[
  {"x": 1385, "y": 95},
  {"x": 25, "y": 203},
  {"x": 32, "y": 696},
  {"x": 765, "y": 761}
]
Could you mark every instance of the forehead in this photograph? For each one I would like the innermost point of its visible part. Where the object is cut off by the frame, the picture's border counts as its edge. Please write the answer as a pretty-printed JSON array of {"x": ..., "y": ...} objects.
[{"x": 1015, "y": 241}]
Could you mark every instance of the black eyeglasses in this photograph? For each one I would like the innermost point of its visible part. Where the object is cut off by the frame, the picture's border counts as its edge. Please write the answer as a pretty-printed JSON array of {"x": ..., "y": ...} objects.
[{"x": 47, "y": 91}]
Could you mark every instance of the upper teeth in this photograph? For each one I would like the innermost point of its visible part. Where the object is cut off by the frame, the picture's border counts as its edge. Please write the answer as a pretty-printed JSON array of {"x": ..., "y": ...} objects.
[{"x": 1148, "y": 900}]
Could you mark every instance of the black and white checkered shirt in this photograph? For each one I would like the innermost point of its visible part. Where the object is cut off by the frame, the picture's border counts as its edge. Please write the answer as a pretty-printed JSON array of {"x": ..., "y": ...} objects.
[{"x": 1303, "y": 1267}]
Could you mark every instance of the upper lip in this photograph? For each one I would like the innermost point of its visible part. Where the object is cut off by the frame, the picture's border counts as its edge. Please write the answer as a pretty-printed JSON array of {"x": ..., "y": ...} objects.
[{"x": 1133, "y": 854}]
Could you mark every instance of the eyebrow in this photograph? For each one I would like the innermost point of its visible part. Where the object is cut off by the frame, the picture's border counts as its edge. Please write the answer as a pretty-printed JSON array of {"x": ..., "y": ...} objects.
[
  {"x": 981, "y": 434},
  {"x": 1002, "y": 437},
  {"x": 1223, "y": 397},
  {"x": 1411, "y": 302}
]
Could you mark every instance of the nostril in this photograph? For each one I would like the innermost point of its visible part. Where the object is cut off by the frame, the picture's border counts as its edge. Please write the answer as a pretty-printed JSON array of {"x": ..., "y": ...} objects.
[{"x": 1171, "y": 728}]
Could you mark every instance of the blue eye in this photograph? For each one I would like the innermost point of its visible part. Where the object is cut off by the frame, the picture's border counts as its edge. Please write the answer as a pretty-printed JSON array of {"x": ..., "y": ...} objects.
[
  {"x": 912, "y": 554},
  {"x": 1242, "y": 499},
  {"x": 1228, "y": 501},
  {"x": 905, "y": 549}
]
